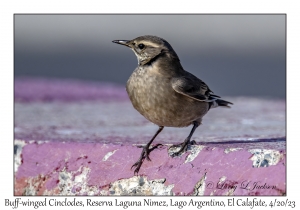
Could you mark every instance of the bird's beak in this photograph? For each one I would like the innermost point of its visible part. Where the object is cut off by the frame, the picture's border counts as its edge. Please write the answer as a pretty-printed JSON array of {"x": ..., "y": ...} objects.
[{"x": 122, "y": 42}]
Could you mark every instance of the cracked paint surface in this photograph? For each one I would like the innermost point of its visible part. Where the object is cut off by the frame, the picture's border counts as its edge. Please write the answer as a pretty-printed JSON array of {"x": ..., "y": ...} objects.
[{"x": 80, "y": 169}]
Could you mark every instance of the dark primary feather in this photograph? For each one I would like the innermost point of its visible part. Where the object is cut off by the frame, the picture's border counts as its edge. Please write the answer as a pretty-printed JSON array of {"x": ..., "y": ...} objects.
[
  {"x": 195, "y": 88},
  {"x": 191, "y": 87}
]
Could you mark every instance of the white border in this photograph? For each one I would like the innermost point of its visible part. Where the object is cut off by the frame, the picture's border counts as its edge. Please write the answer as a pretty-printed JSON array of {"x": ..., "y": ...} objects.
[{"x": 8, "y": 8}]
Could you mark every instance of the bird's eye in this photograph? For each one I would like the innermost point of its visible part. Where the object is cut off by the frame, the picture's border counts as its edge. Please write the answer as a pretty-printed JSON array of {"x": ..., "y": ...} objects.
[{"x": 141, "y": 46}]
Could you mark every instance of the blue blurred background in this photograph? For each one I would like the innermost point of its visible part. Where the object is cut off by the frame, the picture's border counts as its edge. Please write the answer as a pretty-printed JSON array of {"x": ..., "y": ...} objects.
[{"x": 236, "y": 55}]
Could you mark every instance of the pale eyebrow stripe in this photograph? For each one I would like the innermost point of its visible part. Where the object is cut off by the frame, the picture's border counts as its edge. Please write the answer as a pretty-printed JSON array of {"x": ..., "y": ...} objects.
[{"x": 148, "y": 43}]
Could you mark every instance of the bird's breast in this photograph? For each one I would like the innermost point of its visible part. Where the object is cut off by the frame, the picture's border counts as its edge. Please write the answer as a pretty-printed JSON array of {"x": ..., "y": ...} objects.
[
  {"x": 147, "y": 89},
  {"x": 152, "y": 95}
]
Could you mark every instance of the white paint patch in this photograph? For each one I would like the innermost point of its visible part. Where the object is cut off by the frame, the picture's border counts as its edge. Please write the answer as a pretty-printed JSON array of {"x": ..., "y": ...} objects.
[
  {"x": 230, "y": 192},
  {"x": 32, "y": 184},
  {"x": 265, "y": 158},
  {"x": 105, "y": 158},
  {"x": 228, "y": 150},
  {"x": 195, "y": 150},
  {"x": 139, "y": 185},
  {"x": 83, "y": 176},
  {"x": 75, "y": 183},
  {"x": 222, "y": 179},
  {"x": 172, "y": 149},
  {"x": 199, "y": 188},
  {"x": 212, "y": 193},
  {"x": 19, "y": 144},
  {"x": 78, "y": 185}
]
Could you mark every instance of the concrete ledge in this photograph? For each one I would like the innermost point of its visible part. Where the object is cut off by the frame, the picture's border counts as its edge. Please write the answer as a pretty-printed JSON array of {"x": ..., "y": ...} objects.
[
  {"x": 76, "y": 138},
  {"x": 55, "y": 168}
]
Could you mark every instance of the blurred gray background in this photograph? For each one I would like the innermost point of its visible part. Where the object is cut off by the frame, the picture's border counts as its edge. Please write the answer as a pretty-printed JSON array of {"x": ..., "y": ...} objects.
[{"x": 236, "y": 55}]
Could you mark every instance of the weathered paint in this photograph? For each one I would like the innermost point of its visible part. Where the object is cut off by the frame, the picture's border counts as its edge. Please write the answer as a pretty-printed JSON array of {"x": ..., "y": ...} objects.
[{"x": 79, "y": 168}]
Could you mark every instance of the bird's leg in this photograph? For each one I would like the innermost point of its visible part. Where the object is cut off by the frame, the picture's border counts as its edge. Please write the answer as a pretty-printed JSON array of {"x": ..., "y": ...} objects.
[
  {"x": 146, "y": 151},
  {"x": 184, "y": 145}
]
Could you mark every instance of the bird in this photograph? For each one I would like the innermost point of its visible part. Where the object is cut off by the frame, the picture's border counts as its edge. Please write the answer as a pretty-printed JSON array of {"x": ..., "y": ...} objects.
[{"x": 164, "y": 93}]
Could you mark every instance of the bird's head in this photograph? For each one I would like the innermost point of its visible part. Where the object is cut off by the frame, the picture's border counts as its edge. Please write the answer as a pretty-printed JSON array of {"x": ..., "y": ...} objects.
[{"x": 148, "y": 48}]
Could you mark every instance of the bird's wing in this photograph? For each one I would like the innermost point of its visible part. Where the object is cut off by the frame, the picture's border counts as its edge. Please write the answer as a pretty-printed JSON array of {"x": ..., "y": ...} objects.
[{"x": 192, "y": 87}]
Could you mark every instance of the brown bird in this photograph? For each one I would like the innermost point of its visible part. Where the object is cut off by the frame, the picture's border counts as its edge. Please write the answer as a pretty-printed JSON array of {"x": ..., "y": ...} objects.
[{"x": 164, "y": 93}]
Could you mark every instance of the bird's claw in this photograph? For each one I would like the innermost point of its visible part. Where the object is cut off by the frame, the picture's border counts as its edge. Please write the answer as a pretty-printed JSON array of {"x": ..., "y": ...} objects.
[
  {"x": 180, "y": 151},
  {"x": 145, "y": 154},
  {"x": 183, "y": 148}
]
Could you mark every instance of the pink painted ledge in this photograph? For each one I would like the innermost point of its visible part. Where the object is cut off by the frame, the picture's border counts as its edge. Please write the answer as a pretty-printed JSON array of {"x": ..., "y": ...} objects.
[{"x": 80, "y": 138}]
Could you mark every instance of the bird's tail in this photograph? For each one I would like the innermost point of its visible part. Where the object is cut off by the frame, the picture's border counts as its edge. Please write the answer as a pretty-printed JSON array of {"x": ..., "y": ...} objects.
[
  {"x": 217, "y": 101},
  {"x": 221, "y": 102}
]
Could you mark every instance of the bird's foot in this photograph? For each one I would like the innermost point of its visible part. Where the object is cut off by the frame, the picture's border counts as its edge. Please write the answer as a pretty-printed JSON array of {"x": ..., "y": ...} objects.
[
  {"x": 145, "y": 154},
  {"x": 137, "y": 166},
  {"x": 146, "y": 150},
  {"x": 184, "y": 146}
]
